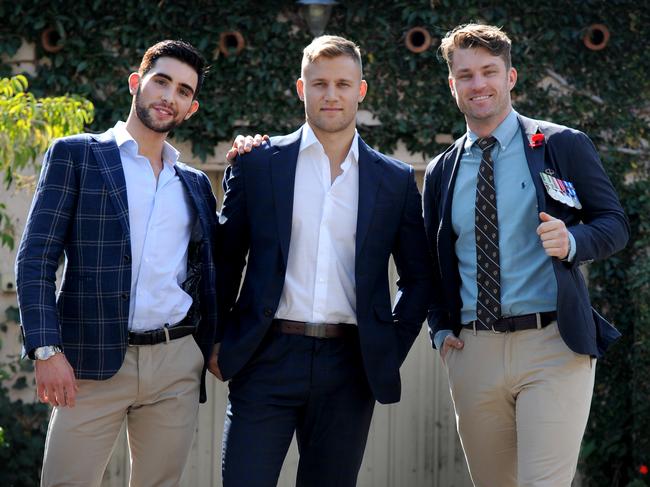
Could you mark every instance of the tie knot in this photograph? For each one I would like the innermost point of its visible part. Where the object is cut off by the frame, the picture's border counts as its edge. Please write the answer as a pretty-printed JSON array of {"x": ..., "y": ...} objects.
[{"x": 486, "y": 143}]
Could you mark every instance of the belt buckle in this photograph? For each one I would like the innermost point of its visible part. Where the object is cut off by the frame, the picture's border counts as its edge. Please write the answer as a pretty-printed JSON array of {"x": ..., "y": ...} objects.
[{"x": 316, "y": 330}]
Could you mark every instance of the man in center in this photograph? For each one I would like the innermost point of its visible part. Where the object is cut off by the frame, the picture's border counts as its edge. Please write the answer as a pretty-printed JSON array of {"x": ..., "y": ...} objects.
[{"x": 312, "y": 340}]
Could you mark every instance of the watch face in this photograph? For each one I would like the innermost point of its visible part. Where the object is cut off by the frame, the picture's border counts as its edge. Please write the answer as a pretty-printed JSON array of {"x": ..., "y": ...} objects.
[
  {"x": 40, "y": 353},
  {"x": 43, "y": 353}
]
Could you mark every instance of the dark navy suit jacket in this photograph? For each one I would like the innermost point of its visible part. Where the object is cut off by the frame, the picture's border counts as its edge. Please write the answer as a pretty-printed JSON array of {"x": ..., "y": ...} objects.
[
  {"x": 80, "y": 210},
  {"x": 600, "y": 229},
  {"x": 256, "y": 218}
]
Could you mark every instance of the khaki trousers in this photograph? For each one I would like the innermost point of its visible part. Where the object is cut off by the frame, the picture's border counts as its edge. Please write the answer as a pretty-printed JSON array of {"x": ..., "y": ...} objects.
[
  {"x": 157, "y": 391},
  {"x": 522, "y": 401}
]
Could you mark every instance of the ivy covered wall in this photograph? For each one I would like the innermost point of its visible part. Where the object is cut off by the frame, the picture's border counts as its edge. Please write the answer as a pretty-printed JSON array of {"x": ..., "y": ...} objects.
[{"x": 605, "y": 93}]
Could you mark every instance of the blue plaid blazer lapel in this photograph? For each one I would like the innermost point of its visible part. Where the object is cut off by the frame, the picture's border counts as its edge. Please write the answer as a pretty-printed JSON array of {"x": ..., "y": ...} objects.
[
  {"x": 108, "y": 157},
  {"x": 191, "y": 184}
]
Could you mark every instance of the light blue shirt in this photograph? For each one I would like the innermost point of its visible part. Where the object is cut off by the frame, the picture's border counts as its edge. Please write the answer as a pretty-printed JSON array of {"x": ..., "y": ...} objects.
[{"x": 528, "y": 283}]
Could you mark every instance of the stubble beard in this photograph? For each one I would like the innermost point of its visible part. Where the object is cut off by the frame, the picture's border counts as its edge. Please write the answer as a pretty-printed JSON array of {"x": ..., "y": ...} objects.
[
  {"x": 331, "y": 126},
  {"x": 144, "y": 115}
]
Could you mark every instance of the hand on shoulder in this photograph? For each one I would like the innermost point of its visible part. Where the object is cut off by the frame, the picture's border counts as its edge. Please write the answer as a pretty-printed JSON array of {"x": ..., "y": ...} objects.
[{"x": 243, "y": 144}]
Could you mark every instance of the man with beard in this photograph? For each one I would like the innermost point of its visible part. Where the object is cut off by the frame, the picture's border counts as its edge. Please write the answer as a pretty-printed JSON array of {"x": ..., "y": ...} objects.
[
  {"x": 312, "y": 341},
  {"x": 512, "y": 209},
  {"x": 134, "y": 320}
]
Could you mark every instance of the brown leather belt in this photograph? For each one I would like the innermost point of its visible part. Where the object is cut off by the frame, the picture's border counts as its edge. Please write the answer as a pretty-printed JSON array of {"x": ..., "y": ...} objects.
[
  {"x": 316, "y": 330},
  {"x": 516, "y": 323}
]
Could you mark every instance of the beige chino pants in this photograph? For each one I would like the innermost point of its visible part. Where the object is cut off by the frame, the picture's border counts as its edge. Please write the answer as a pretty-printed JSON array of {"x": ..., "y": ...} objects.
[
  {"x": 157, "y": 392},
  {"x": 522, "y": 401}
]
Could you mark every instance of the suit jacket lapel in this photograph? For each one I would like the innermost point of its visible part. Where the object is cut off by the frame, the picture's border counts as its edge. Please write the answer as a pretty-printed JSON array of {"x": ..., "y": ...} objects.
[
  {"x": 369, "y": 181},
  {"x": 191, "y": 186},
  {"x": 449, "y": 180},
  {"x": 283, "y": 177},
  {"x": 108, "y": 157},
  {"x": 534, "y": 157}
]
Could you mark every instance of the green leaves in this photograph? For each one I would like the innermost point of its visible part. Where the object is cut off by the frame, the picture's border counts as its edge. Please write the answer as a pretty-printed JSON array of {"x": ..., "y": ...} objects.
[{"x": 27, "y": 126}]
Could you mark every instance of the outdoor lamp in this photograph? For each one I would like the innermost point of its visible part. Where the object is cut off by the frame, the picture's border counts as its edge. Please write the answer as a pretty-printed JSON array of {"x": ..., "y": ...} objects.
[{"x": 316, "y": 13}]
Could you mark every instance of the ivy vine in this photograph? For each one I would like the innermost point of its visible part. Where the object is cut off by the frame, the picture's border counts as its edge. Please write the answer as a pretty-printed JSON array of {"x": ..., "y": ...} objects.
[{"x": 605, "y": 93}]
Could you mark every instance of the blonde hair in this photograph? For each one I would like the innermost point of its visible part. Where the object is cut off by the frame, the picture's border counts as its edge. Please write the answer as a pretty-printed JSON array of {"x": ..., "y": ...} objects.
[
  {"x": 470, "y": 36},
  {"x": 329, "y": 47}
]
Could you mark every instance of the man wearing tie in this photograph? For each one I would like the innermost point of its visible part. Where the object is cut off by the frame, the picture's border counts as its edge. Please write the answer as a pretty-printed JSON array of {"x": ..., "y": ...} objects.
[
  {"x": 312, "y": 341},
  {"x": 511, "y": 210}
]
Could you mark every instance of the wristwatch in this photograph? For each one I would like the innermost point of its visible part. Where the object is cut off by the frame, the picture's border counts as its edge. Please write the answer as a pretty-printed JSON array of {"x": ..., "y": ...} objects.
[{"x": 43, "y": 353}]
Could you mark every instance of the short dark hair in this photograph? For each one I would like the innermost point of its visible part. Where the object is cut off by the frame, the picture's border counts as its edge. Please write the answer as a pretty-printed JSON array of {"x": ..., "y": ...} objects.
[
  {"x": 470, "y": 36},
  {"x": 181, "y": 50}
]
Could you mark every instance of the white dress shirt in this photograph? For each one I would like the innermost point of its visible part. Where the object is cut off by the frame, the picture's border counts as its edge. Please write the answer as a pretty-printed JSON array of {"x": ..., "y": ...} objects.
[
  {"x": 319, "y": 285},
  {"x": 161, "y": 219}
]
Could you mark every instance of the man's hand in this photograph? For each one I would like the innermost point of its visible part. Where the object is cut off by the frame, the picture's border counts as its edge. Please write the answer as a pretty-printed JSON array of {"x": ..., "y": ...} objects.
[
  {"x": 55, "y": 381},
  {"x": 450, "y": 342},
  {"x": 554, "y": 236},
  {"x": 213, "y": 364},
  {"x": 243, "y": 144}
]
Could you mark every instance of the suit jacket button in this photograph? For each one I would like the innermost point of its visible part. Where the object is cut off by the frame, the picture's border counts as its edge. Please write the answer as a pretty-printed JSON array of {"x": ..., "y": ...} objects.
[
  {"x": 268, "y": 312},
  {"x": 127, "y": 258},
  {"x": 124, "y": 296}
]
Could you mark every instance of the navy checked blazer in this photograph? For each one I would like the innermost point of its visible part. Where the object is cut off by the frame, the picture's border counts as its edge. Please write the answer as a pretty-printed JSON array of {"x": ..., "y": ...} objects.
[{"x": 80, "y": 210}]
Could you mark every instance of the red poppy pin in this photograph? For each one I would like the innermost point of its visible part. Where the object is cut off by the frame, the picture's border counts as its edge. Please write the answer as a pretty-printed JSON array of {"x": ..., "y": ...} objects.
[
  {"x": 643, "y": 470},
  {"x": 537, "y": 140}
]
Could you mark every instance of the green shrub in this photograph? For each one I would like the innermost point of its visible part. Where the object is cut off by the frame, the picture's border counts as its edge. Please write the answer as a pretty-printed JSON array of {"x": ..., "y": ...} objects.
[{"x": 22, "y": 440}]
